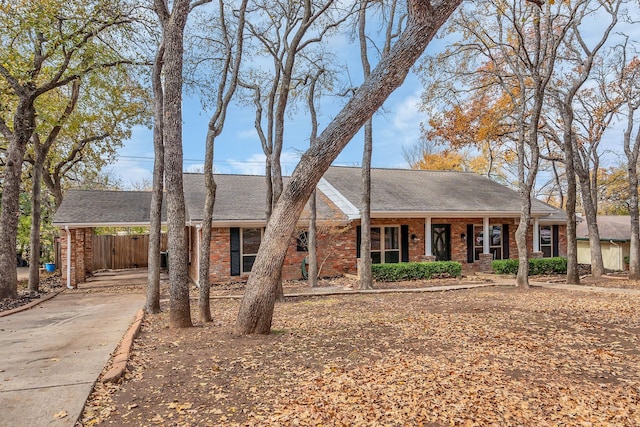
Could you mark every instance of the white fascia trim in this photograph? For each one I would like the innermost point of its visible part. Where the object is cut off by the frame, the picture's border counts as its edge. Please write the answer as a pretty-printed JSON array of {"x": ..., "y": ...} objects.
[
  {"x": 463, "y": 214},
  {"x": 348, "y": 208},
  {"x": 102, "y": 224}
]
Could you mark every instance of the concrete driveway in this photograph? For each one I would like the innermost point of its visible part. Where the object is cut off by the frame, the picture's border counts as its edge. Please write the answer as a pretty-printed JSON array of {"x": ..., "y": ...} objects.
[{"x": 51, "y": 355}]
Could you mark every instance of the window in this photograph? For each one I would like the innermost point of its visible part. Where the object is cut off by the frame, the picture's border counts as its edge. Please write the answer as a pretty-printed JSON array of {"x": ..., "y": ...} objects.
[
  {"x": 251, "y": 238},
  {"x": 385, "y": 245},
  {"x": 302, "y": 243},
  {"x": 546, "y": 241},
  {"x": 495, "y": 243}
]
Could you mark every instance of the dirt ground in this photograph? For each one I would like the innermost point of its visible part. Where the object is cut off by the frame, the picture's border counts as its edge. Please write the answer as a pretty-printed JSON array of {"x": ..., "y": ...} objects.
[{"x": 490, "y": 356}]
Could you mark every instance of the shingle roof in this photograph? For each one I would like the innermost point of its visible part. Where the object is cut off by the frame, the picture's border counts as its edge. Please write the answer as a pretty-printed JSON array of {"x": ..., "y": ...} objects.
[
  {"x": 241, "y": 198},
  {"x": 406, "y": 190},
  {"x": 238, "y": 198},
  {"x": 610, "y": 227},
  {"x": 104, "y": 207}
]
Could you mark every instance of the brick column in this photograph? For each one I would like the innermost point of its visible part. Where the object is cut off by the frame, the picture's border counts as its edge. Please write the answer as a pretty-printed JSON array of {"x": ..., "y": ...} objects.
[
  {"x": 485, "y": 262},
  {"x": 88, "y": 250},
  {"x": 79, "y": 250},
  {"x": 66, "y": 253}
]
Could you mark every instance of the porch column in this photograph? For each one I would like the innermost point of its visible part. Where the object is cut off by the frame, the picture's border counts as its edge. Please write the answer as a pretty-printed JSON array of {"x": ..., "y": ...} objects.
[
  {"x": 485, "y": 235},
  {"x": 536, "y": 235},
  {"x": 427, "y": 237}
]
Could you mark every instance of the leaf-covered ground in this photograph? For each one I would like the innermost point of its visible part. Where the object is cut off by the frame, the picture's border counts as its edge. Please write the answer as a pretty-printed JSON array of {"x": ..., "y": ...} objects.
[{"x": 484, "y": 357}]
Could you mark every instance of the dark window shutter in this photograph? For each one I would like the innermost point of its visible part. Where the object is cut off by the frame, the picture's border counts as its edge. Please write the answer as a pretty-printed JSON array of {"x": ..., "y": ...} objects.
[
  {"x": 505, "y": 241},
  {"x": 556, "y": 237},
  {"x": 404, "y": 243},
  {"x": 358, "y": 240},
  {"x": 235, "y": 251},
  {"x": 469, "y": 243}
]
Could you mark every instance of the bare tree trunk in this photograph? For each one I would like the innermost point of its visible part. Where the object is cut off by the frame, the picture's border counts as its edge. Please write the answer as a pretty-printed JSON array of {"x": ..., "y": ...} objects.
[
  {"x": 173, "y": 37},
  {"x": 597, "y": 264},
  {"x": 312, "y": 257},
  {"x": 634, "y": 252},
  {"x": 36, "y": 216},
  {"x": 632, "y": 152},
  {"x": 41, "y": 151},
  {"x": 312, "y": 242},
  {"x": 226, "y": 88},
  {"x": 204, "y": 305},
  {"x": 24, "y": 126},
  {"x": 366, "y": 280},
  {"x": 573, "y": 275},
  {"x": 152, "y": 304},
  {"x": 256, "y": 310}
]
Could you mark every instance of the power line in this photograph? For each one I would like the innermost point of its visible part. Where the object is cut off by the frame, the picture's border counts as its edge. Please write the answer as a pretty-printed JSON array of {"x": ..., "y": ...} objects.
[{"x": 249, "y": 162}]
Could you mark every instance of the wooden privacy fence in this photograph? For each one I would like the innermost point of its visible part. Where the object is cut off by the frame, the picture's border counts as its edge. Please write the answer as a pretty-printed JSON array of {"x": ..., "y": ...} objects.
[{"x": 117, "y": 252}]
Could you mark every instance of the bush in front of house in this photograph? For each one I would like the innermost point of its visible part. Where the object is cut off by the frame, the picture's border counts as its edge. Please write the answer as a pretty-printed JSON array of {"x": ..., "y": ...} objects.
[
  {"x": 537, "y": 266},
  {"x": 415, "y": 270}
]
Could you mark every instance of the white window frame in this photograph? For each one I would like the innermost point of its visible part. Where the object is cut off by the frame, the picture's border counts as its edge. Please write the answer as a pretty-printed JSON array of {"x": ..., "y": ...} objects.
[
  {"x": 383, "y": 250},
  {"x": 242, "y": 254},
  {"x": 550, "y": 244},
  {"x": 480, "y": 245}
]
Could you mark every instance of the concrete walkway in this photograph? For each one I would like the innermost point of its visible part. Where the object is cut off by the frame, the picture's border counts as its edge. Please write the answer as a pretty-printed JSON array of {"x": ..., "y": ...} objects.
[{"x": 52, "y": 354}]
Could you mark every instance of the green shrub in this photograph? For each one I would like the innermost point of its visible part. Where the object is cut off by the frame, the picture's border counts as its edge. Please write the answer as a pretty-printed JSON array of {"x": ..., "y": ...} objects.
[
  {"x": 626, "y": 260},
  {"x": 415, "y": 270},
  {"x": 537, "y": 266}
]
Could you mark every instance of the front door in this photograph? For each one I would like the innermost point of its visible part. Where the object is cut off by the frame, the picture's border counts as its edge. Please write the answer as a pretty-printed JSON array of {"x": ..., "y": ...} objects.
[{"x": 441, "y": 238}]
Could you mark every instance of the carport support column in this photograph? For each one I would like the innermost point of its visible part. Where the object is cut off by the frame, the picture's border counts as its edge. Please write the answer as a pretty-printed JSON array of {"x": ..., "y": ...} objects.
[
  {"x": 428, "y": 245},
  {"x": 68, "y": 253},
  {"x": 536, "y": 235}
]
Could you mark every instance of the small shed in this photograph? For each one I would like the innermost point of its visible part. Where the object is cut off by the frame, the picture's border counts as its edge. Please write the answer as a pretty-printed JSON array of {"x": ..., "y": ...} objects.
[{"x": 615, "y": 241}]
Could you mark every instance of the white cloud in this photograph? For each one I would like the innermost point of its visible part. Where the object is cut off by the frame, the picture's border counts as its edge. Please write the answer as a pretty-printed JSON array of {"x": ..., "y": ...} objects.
[
  {"x": 131, "y": 173},
  {"x": 250, "y": 133},
  {"x": 407, "y": 119},
  {"x": 254, "y": 164}
]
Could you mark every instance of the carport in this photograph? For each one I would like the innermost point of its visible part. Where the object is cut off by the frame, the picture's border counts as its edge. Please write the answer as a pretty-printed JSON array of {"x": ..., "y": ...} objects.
[{"x": 82, "y": 211}]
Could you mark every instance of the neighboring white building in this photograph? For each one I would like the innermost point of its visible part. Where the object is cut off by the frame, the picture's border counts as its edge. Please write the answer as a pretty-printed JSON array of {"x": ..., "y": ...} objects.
[{"x": 615, "y": 238}]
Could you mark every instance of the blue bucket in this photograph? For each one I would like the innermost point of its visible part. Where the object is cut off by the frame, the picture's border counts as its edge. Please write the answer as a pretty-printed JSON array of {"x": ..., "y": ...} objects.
[{"x": 51, "y": 267}]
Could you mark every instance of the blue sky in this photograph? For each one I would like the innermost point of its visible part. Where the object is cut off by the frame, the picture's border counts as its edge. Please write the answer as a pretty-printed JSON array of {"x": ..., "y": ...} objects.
[{"x": 238, "y": 149}]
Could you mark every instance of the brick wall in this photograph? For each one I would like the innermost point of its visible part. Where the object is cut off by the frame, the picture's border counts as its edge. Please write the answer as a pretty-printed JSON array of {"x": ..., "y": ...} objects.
[
  {"x": 336, "y": 255},
  {"x": 337, "y": 247}
]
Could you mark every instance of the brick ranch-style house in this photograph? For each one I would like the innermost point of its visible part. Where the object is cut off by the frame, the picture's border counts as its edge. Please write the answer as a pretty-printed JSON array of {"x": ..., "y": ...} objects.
[{"x": 416, "y": 215}]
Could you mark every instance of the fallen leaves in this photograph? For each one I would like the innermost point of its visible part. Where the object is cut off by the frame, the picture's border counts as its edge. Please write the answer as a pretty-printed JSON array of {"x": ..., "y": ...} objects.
[
  {"x": 60, "y": 415},
  {"x": 472, "y": 358}
]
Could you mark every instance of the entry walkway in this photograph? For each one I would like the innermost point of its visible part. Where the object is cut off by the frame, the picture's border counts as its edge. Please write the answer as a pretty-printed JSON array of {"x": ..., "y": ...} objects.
[{"x": 52, "y": 354}]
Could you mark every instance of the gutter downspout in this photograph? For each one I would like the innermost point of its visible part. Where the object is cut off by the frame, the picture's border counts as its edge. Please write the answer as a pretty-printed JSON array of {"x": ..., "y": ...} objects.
[
  {"x": 620, "y": 267},
  {"x": 66, "y": 228}
]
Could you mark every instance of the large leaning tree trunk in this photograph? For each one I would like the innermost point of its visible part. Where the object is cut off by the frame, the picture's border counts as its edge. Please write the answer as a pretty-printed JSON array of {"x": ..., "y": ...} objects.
[
  {"x": 152, "y": 304},
  {"x": 256, "y": 310}
]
